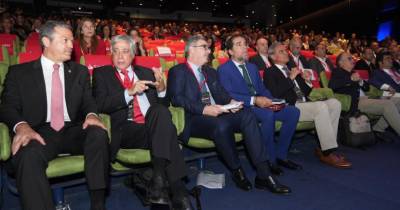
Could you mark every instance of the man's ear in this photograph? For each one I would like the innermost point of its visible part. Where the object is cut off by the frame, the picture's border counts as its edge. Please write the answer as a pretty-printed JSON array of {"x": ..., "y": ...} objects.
[{"x": 46, "y": 41}]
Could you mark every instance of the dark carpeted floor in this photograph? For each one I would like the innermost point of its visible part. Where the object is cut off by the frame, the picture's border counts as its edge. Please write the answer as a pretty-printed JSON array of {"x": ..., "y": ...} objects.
[{"x": 372, "y": 184}]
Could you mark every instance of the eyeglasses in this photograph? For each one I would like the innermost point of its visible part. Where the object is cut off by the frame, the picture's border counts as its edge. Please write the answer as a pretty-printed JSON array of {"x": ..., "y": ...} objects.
[{"x": 204, "y": 46}]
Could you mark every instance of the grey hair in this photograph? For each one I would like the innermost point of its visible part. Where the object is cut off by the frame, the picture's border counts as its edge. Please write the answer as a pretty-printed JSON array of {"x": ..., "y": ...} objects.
[
  {"x": 191, "y": 40},
  {"x": 271, "y": 49},
  {"x": 47, "y": 29},
  {"x": 126, "y": 38}
]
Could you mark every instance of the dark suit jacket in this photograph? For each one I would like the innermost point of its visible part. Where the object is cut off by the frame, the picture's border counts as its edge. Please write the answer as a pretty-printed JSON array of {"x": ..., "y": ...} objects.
[
  {"x": 183, "y": 90},
  {"x": 396, "y": 65},
  {"x": 109, "y": 94},
  {"x": 259, "y": 62},
  {"x": 233, "y": 82},
  {"x": 317, "y": 66},
  {"x": 24, "y": 95},
  {"x": 362, "y": 65},
  {"x": 379, "y": 77},
  {"x": 303, "y": 61},
  {"x": 341, "y": 83},
  {"x": 282, "y": 87}
]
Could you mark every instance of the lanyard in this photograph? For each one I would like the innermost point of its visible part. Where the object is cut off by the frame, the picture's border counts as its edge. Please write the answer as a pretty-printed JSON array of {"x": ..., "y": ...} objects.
[{"x": 202, "y": 84}]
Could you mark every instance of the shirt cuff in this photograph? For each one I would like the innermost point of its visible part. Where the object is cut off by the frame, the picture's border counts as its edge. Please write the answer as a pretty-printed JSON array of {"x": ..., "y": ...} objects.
[
  {"x": 162, "y": 93},
  {"x": 19, "y": 123},
  {"x": 128, "y": 98},
  {"x": 385, "y": 87},
  {"x": 252, "y": 99},
  {"x": 91, "y": 113}
]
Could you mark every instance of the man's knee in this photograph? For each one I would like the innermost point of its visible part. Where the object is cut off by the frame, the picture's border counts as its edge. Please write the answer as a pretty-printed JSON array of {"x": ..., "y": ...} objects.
[
  {"x": 97, "y": 137},
  {"x": 31, "y": 155}
]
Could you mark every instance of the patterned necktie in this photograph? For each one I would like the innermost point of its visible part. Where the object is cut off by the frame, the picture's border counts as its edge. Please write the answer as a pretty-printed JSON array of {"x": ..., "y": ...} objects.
[
  {"x": 202, "y": 81},
  {"x": 299, "y": 93},
  {"x": 57, "y": 107},
  {"x": 246, "y": 77}
]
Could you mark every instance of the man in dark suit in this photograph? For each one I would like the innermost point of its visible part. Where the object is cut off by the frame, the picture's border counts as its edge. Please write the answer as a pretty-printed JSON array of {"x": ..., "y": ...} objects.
[
  {"x": 49, "y": 107},
  {"x": 243, "y": 83},
  {"x": 367, "y": 61},
  {"x": 261, "y": 60},
  {"x": 134, "y": 97},
  {"x": 195, "y": 87},
  {"x": 320, "y": 62},
  {"x": 385, "y": 78},
  {"x": 345, "y": 81},
  {"x": 295, "y": 58},
  {"x": 295, "y": 87}
]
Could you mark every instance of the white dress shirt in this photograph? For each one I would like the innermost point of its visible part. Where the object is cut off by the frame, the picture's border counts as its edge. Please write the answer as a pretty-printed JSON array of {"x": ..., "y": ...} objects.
[
  {"x": 266, "y": 61},
  {"x": 144, "y": 103},
  {"x": 324, "y": 64},
  {"x": 47, "y": 66}
]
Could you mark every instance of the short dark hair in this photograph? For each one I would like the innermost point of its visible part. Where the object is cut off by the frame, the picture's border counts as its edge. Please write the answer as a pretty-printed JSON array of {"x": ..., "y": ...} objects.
[
  {"x": 339, "y": 58},
  {"x": 381, "y": 55},
  {"x": 47, "y": 29},
  {"x": 261, "y": 37}
]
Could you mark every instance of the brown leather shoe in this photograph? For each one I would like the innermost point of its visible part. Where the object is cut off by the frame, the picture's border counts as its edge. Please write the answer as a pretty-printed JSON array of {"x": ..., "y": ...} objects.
[
  {"x": 335, "y": 161},
  {"x": 318, "y": 153}
]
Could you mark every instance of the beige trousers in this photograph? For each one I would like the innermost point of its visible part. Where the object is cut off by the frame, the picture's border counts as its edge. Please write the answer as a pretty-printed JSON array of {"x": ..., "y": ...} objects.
[
  {"x": 325, "y": 115},
  {"x": 388, "y": 108}
]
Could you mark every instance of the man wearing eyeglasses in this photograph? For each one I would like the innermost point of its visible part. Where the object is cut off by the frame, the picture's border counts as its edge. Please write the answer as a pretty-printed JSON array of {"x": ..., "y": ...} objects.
[
  {"x": 242, "y": 81},
  {"x": 345, "y": 81},
  {"x": 134, "y": 97},
  {"x": 195, "y": 87},
  {"x": 295, "y": 87}
]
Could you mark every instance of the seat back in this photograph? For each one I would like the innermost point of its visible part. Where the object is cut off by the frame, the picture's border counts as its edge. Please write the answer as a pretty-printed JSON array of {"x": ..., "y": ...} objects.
[
  {"x": 10, "y": 42},
  {"x": 25, "y": 57},
  {"x": 95, "y": 61},
  {"x": 363, "y": 74},
  {"x": 147, "y": 61},
  {"x": 4, "y": 57}
]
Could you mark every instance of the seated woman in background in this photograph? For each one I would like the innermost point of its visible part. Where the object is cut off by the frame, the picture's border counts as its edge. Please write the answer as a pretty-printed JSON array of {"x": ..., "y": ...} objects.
[
  {"x": 86, "y": 41},
  {"x": 106, "y": 36},
  {"x": 140, "y": 50}
]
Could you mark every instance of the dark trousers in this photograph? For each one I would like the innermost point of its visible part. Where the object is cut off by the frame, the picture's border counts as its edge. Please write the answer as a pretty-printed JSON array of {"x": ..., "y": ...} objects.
[
  {"x": 221, "y": 130},
  {"x": 31, "y": 161},
  {"x": 289, "y": 116},
  {"x": 158, "y": 134}
]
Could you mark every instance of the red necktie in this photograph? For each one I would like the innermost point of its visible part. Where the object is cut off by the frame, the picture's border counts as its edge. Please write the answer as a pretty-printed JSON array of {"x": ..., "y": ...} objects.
[
  {"x": 57, "y": 107},
  {"x": 137, "y": 114}
]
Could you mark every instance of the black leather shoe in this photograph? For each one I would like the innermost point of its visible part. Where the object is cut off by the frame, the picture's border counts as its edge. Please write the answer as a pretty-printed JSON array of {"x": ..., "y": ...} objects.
[
  {"x": 272, "y": 185},
  {"x": 157, "y": 192},
  {"x": 241, "y": 180},
  {"x": 182, "y": 204},
  {"x": 288, "y": 164},
  {"x": 275, "y": 169}
]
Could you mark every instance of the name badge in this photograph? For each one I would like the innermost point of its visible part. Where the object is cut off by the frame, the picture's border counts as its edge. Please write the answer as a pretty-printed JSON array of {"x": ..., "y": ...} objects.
[
  {"x": 130, "y": 110},
  {"x": 206, "y": 98}
]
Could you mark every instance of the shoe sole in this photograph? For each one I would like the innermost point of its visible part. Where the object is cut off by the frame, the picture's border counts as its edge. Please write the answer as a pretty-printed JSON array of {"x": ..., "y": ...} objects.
[{"x": 266, "y": 188}]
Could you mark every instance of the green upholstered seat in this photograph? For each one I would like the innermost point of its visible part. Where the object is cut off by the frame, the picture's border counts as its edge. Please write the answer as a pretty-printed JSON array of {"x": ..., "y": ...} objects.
[{"x": 344, "y": 99}]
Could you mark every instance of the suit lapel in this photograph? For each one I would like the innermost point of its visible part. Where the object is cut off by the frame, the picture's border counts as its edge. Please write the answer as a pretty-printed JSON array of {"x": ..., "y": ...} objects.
[
  {"x": 151, "y": 97},
  {"x": 236, "y": 73},
  {"x": 68, "y": 79},
  {"x": 41, "y": 86}
]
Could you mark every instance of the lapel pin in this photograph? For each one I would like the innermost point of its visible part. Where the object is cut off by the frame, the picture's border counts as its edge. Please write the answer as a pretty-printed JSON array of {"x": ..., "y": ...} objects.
[{"x": 69, "y": 70}]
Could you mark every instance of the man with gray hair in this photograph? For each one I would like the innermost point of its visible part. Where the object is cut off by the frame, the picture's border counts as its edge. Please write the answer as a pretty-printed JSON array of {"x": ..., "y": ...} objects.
[
  {"x": 195, "y": 87},
  {"x": 134, "y": 97},
  {"x": 48, "y": 104},
  {"x": 295, "y": 86}
]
